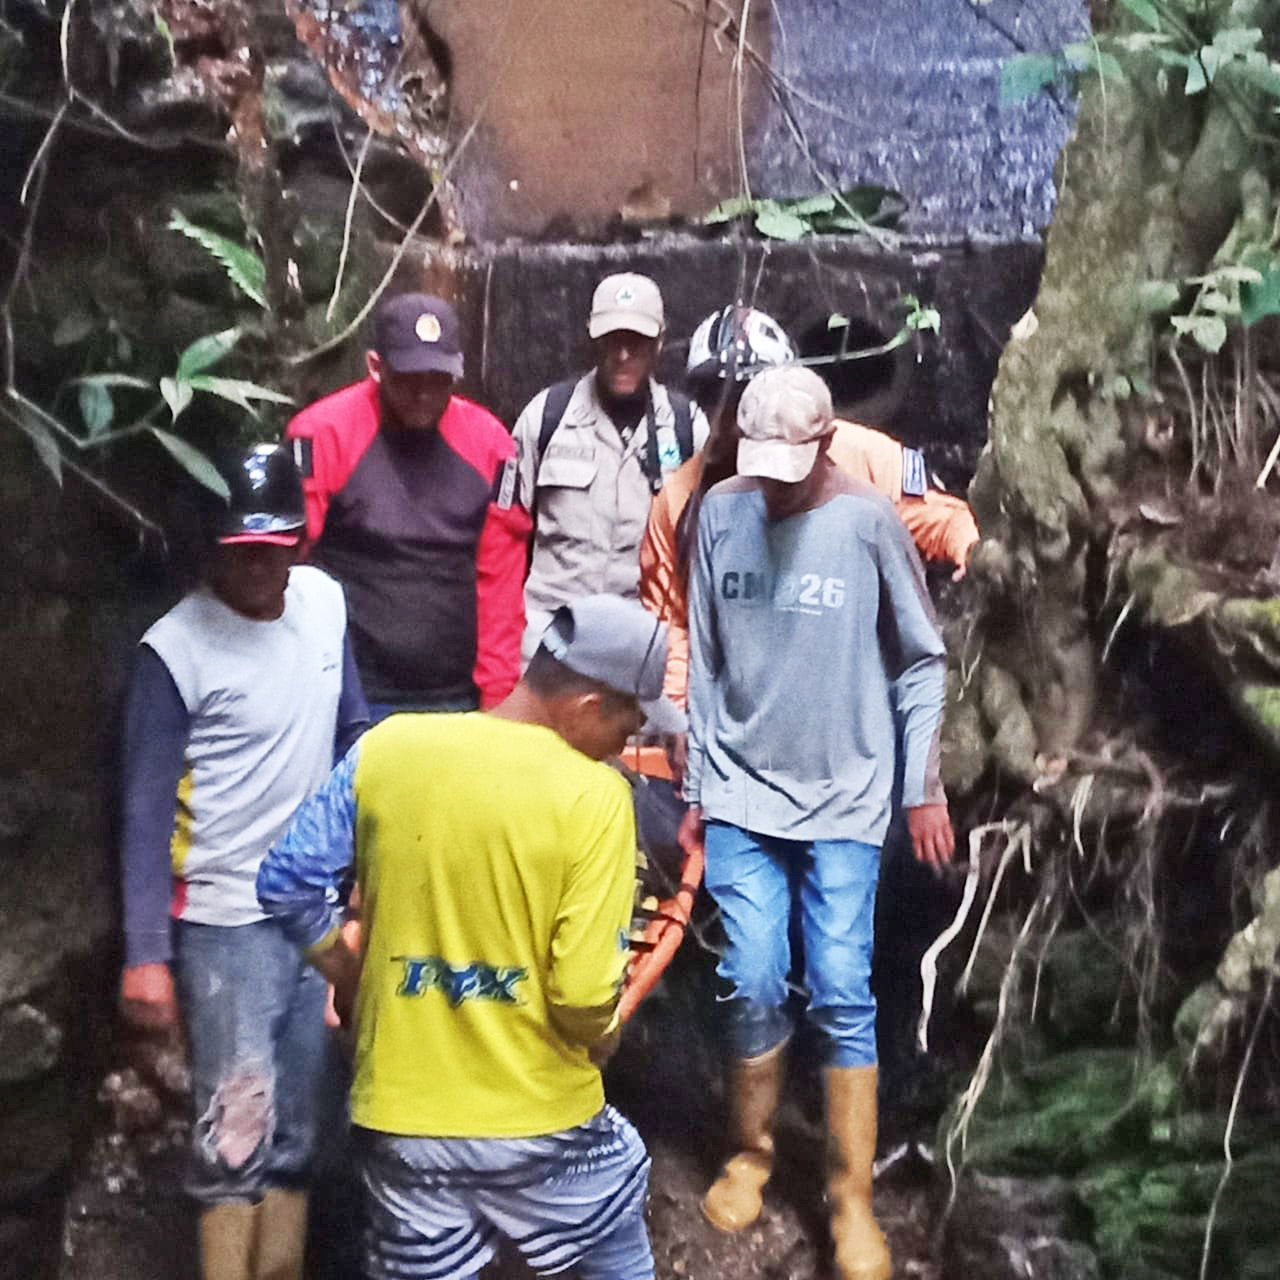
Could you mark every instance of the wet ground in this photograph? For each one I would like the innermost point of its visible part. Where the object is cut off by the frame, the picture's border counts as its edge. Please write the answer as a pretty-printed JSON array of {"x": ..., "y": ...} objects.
[{"x": 127, "y": 1219}]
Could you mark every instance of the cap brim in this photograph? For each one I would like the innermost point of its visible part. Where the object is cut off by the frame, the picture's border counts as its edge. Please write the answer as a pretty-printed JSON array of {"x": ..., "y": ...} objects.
[
  {"x": 776, "y": 459},
  {"x": 663, "y": 716},
  {"x": 271, "y": 539},
  {"x": 603, "y": 322},
  {"x": 423, "y": 360}
]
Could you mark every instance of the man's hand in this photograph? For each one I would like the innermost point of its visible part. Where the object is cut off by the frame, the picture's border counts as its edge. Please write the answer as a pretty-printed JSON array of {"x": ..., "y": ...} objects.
[
  {"x": 932, "y": 838},
  {"x": 692, "y": 828},
  {"x": 147, "y": 998},
  {"x": 677, "y": 745}
]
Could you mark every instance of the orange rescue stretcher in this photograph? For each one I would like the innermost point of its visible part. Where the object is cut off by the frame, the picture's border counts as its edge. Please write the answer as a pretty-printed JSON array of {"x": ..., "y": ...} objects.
[{"x": 657, "y": 944}]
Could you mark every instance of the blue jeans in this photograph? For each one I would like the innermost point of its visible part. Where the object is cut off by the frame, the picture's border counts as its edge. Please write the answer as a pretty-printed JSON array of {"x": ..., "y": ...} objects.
[
  {"x": 260, "y": 1052},
  {"x": 754, "y": 880}
]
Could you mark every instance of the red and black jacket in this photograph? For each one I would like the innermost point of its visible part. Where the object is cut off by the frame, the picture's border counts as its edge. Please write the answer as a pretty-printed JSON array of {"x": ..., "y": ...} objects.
[{"x": 423, "y": 531}]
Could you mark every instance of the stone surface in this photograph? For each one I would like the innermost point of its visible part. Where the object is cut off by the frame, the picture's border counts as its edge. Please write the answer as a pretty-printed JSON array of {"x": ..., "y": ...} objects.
[
  {"x": 636, "y": 113},
  {"x": 32, "y": 1042},
  {"x": 907, "y": 96},
  {"x": 1014, "y": 1228}
]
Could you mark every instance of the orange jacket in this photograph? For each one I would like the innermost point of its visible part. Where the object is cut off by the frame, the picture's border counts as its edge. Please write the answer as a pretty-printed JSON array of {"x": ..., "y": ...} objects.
[{"x": 942, "y": 527}]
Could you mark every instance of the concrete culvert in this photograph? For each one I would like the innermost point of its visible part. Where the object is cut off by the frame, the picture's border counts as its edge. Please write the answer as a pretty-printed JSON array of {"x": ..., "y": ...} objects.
[{"x": 867, "y": 388}]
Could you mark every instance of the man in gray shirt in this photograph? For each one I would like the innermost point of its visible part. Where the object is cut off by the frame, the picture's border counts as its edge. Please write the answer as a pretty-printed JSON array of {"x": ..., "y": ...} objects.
[{"x": 812, "y": 648}]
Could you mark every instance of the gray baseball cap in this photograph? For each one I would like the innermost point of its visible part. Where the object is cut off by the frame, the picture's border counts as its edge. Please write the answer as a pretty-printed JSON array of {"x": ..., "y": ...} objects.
[{"x": 621, "y": 644}]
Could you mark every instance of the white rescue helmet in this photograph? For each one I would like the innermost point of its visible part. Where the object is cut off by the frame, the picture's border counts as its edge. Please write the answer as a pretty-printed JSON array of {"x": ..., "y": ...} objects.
[{"x": 736, "y": 343}]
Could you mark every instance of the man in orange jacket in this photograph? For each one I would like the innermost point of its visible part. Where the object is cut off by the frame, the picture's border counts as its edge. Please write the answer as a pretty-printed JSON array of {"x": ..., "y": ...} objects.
[{"x": 727, "y": 349}]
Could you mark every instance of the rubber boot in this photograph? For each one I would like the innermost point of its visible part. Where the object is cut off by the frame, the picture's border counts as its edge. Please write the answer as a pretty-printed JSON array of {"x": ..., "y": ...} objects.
[
  {"x": 736, "y": 1197},
  {"x": 227, "y": 1235},
  {"x": 282, "y": 1235},
  {"x": 861, "y": 1252}
]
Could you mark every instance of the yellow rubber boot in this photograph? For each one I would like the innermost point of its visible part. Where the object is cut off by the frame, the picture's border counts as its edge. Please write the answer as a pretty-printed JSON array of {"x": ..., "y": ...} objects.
[
  {"x": 736, "y": 1197},
  {"x": 227, "y": 1236},
  {"x": 282, "y": 1235},
  {"x": 861, "y": 1252}
]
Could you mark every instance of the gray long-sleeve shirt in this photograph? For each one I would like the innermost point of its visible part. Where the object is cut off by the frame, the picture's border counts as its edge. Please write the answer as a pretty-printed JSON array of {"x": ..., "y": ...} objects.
[{"x": 809, "y": 637}]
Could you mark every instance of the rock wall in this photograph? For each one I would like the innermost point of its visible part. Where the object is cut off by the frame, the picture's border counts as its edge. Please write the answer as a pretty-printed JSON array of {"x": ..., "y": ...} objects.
[
  {"x": 107, "y": 287},
  {"x": 525, "y": 309},
  {"x": 638, "y": 111}
]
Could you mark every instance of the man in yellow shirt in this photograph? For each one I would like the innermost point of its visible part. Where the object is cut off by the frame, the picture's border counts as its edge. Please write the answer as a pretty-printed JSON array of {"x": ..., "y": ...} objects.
[{"x": 495, "y": 858}]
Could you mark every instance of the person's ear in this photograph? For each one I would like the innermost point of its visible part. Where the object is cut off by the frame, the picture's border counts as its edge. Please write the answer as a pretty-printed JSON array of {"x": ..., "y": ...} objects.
[{"x": 373, "y": 363}]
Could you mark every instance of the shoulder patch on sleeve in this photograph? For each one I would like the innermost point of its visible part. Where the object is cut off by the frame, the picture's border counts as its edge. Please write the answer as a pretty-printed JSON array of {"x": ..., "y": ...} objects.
[
  {"x": 915, "y": 475},
  {"x": 302, "y": 455},
  {"x": 504, "y": 488}
]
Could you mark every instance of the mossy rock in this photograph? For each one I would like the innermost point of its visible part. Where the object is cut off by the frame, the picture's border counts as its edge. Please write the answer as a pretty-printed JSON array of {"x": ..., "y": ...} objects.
[
  {"x": 1152, "y": 1219},
  {"x": 1090, "y": 997},
  {"x": 1067, "y": 1113}
]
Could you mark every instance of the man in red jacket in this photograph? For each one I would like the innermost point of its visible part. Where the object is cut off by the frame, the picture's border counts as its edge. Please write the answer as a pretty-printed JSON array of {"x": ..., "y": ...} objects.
[{"x": 411, "y": 505}]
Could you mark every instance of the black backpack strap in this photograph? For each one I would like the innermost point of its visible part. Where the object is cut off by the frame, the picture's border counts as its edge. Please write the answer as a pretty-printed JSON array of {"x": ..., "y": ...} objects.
[
  {"x": 682, "y": 408},
  {"x": 554, "y": 408},
  {"x": 553, "y": 411},
  {"x": 682, "y": 412}
]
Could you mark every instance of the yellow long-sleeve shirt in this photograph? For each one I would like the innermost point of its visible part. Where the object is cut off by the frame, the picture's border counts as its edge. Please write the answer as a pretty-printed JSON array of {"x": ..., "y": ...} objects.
[{"x": 496, "y": 867}]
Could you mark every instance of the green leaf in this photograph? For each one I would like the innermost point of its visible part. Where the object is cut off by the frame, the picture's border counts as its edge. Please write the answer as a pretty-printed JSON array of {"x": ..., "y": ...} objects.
[
  {"x": 113, "y": 380},
  {"x": 1261, "y": 299},
  {"x": 1237, "y": 40},
  {"x": 206, "y": 351},
  {"x": 1085, "y": 55},
  {"x": 1219, "y": 303},
  {"x": 823, "y": 203},
  {"x": 836, "y": 321},
  {"x": 1228, "y": 274},
  {"x": 1144, "y": 11},
  {"x": 926, "y": 318},
  {"x": 237, "y": 391},
  {"x": 1158, "y": 295},
  {"x": 177, "y": 395},
  {"x": 74, "y": 327},
  {"x": 779, "y": 224},
  {"x": 729, "y": 209},
  {"x": 1211, "y": 58},
  {"x": 96, "y": 407},
  {"x": 244, "y": 268},
  {"x": 1197, "y": 82},
  {"x": 1121, "y": 388},
  {"x": 1209, "y": 332},
  {"x": 1025, "y": 74},
  {"x": 193, "y": 462}
]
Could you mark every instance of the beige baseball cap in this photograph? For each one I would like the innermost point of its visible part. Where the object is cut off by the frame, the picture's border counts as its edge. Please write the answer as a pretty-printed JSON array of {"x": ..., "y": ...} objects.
[
  {"x": 626, "y": 301},
  {"x": 783, "y": 415}
]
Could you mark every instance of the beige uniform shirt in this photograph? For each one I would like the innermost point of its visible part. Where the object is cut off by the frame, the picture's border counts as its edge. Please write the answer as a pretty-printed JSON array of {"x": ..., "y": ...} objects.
[{"x": 590, "y": 498}]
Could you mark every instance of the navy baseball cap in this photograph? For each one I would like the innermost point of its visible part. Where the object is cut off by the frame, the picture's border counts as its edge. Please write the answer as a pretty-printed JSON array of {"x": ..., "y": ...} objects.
[{"x": 418, "y": 333}]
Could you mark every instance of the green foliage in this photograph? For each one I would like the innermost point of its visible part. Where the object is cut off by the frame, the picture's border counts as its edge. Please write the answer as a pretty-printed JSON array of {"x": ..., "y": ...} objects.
[
  {"x": 918, "y": 319},
  {"x": 855, "y": 209},
  {"x": 1244, "y": 285},
  {"x": 1173, "y": 44},
  {"x": 244, "y": 268}
]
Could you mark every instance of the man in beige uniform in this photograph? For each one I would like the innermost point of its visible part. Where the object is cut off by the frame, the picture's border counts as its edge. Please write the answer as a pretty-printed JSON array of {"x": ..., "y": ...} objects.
[{"x": 593, "y": 452}]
